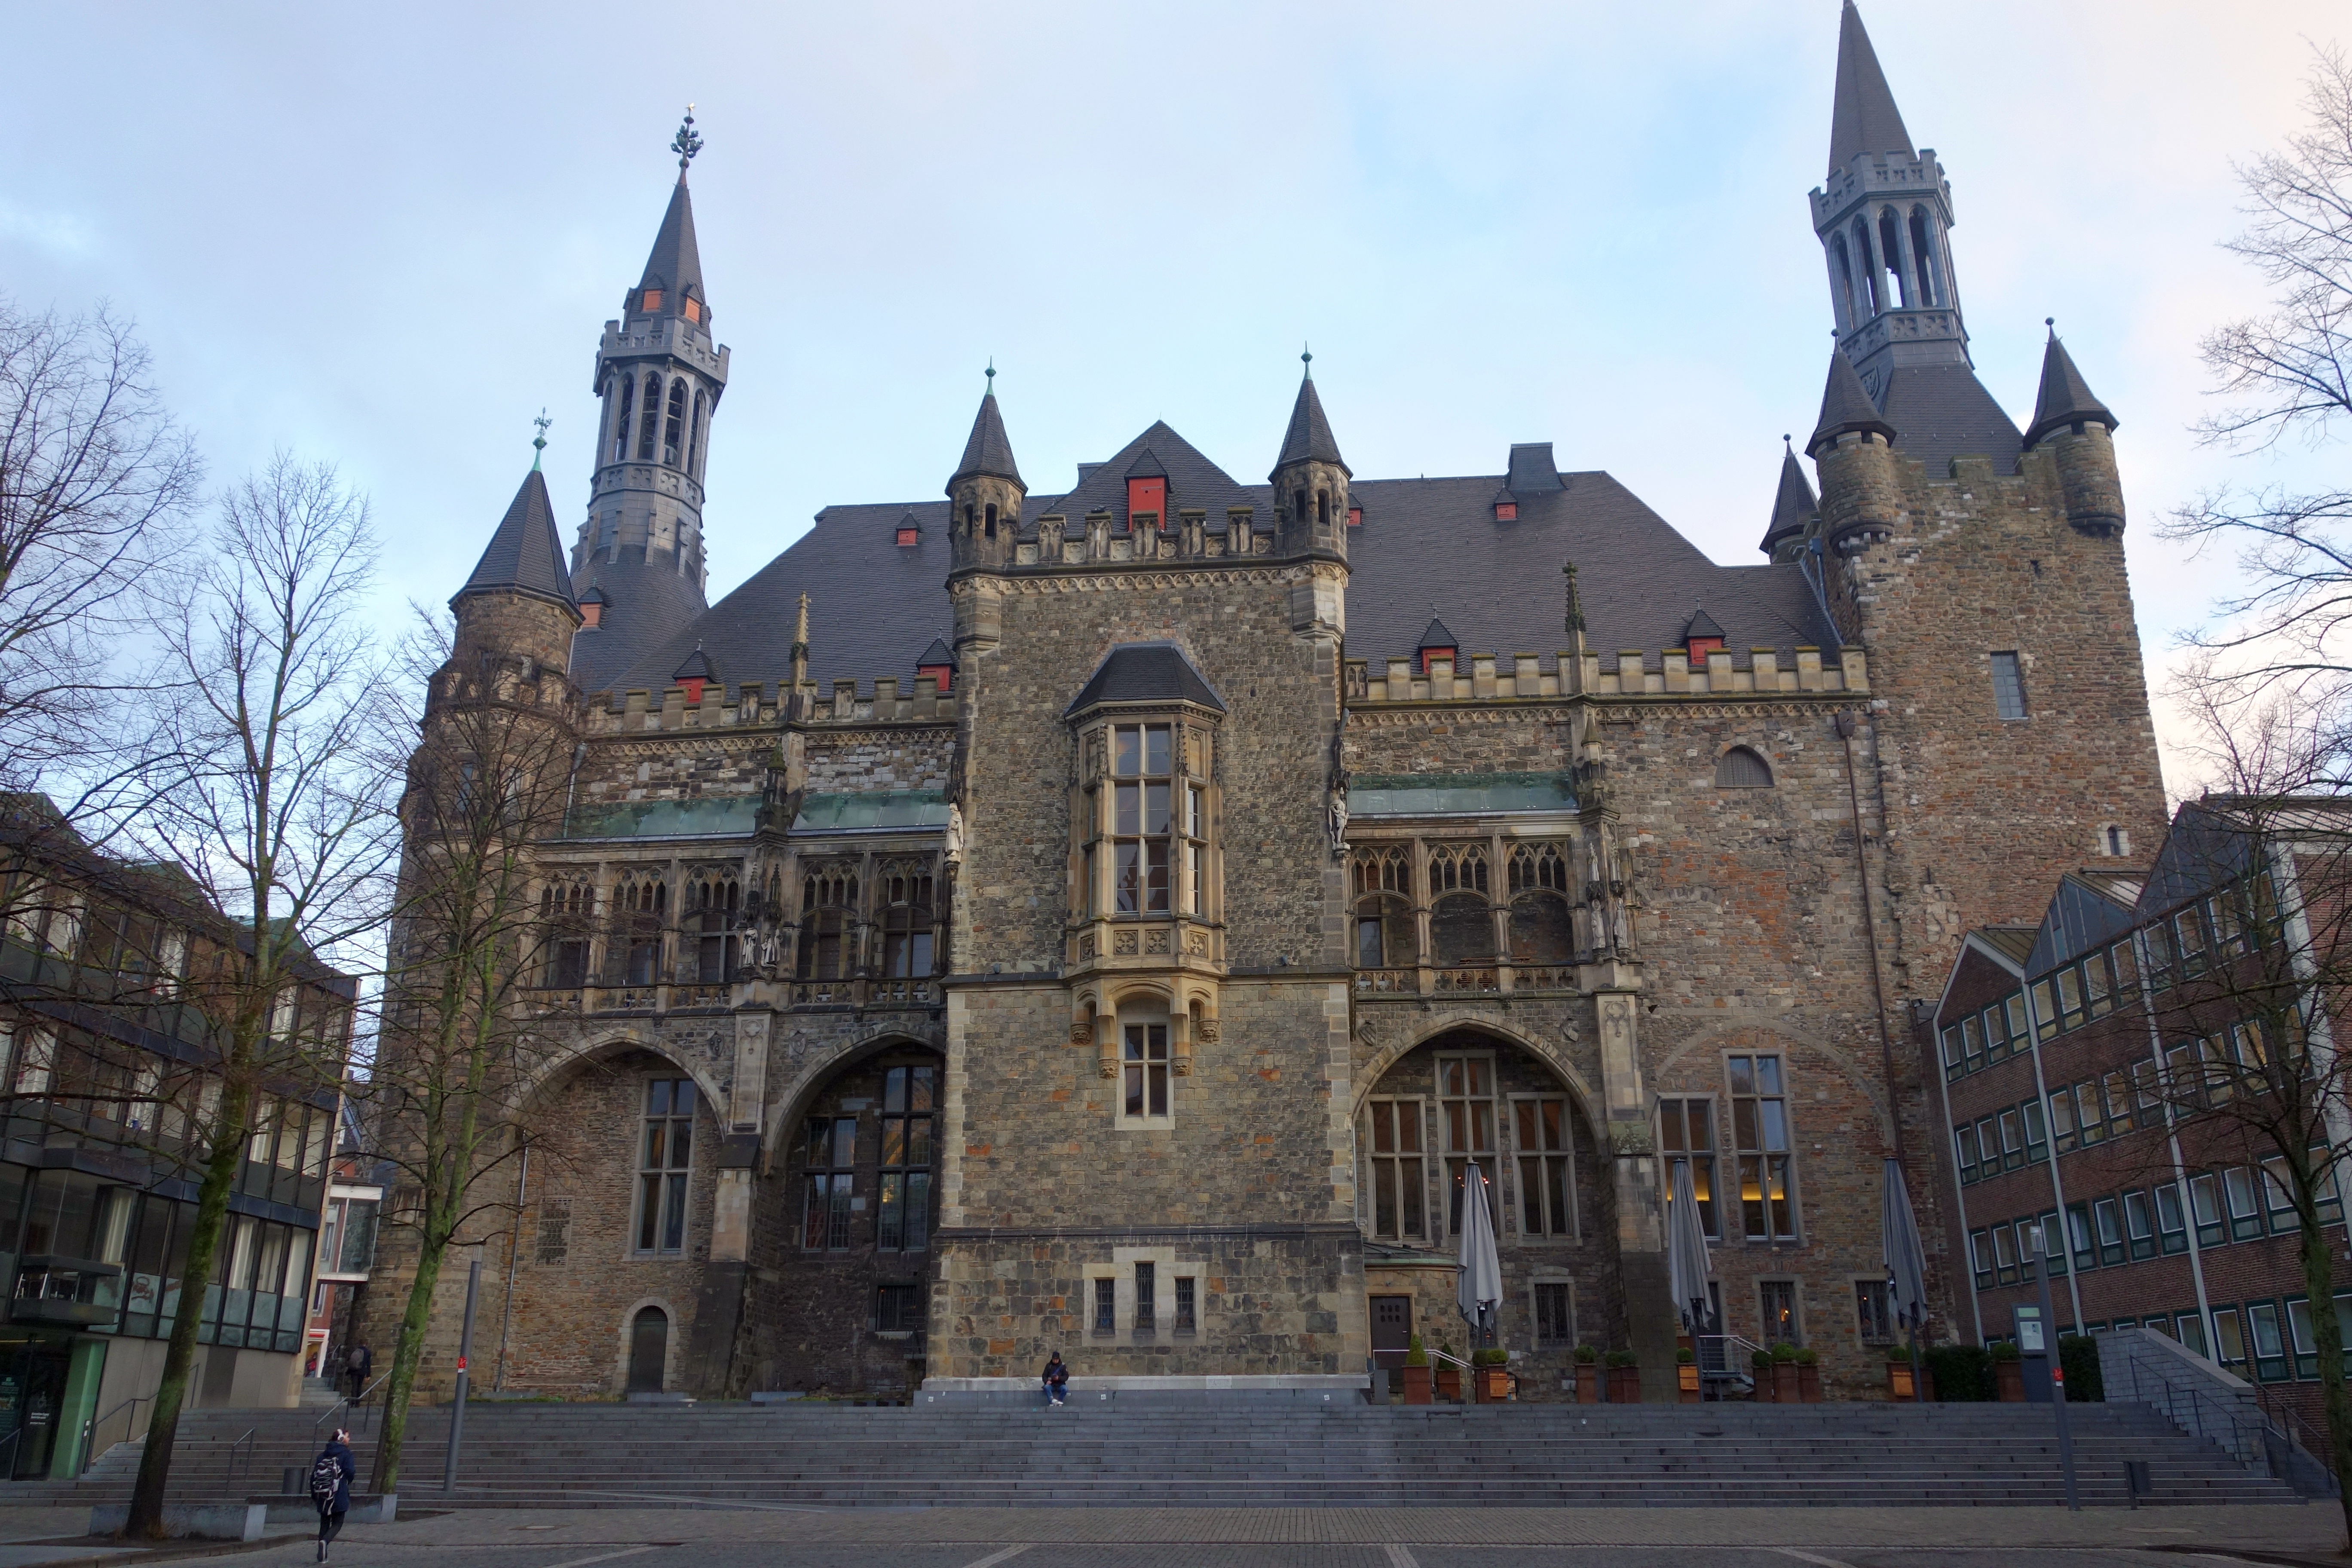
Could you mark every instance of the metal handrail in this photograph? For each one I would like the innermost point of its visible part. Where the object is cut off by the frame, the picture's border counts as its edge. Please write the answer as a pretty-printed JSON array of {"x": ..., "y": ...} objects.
[
  {"x": 249, "y": 1441},
  {"x": 350, "y": 1402},
  {"x": 89, "y": 1429},
  {"x": 8, "y": 1446}
]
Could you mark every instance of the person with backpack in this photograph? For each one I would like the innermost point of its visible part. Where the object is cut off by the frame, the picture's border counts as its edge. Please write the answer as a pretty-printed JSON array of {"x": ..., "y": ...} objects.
[
  {"x": 330, "y": 1487},
  {"x": 1057, "y": 1382},
  {"x": 358, "y": 1363}
]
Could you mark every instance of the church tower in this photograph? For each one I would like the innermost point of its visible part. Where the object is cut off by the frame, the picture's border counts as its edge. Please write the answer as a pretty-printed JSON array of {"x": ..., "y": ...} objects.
[{"x": 659, "y": 375}]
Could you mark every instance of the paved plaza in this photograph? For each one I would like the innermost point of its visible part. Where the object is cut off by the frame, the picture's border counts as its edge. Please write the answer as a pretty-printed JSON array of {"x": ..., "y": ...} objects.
[{"x": 773, "y": 1537}]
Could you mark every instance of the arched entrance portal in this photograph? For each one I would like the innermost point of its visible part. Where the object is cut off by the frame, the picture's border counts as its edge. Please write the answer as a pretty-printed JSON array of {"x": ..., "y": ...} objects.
[{"x": 648, "y": 1350}]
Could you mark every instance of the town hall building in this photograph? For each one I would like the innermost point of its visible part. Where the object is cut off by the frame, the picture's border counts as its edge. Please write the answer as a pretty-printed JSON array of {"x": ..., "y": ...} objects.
[{"x": 1113, "y": 916}]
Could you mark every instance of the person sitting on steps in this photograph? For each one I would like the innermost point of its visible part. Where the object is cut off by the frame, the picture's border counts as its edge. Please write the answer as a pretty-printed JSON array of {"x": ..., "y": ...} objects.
[{"x": 1057, "y": 1382}]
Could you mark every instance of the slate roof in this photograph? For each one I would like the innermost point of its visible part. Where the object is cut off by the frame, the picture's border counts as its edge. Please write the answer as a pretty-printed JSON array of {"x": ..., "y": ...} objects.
[
  {"x": 2065, "y": 398},
  {"x": 1309, "y": 437},
  {"x": 525, "y": 553},
  {"x": 1864, "y": 118},
  {"x": 1146, "y": 672},
  {"x": 1942, "y": 411},
  {"x": 649, "y": 610},
  {"x": 1422, "y": 541},
  {"x": 1793, "y": 504},
  {"x": 987, "y": 450},
  {"x": 675, "y": 263},
  {"x": 1531, "y": 469}
]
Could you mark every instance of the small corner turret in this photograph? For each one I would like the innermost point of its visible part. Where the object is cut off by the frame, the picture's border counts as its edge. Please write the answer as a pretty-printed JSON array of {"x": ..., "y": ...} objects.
[
  {"x": 1861, "y": 490},
  {"x": 518, "y": 601},
  {"x": 2074, "y": 426},
  {"x": 1311, "y": 479},
  {"x": 985, "y": 493},
  {"x": 1795, "y": 509}
]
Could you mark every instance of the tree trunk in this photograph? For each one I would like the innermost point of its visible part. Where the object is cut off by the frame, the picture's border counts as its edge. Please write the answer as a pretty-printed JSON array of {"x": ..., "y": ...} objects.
[
  {"x": 2327, "y": 1340},
  {"x": 146, "y": 1519},
  {"x": 406, "y": 1352}
]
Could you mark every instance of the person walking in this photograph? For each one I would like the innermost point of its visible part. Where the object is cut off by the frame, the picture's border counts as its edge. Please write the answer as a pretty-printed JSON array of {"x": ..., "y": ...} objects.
[
  {"x": 330, "y": 1487},
  {"x": 1057, "y": 1382},
  {"x": 358, "y": 1362}
]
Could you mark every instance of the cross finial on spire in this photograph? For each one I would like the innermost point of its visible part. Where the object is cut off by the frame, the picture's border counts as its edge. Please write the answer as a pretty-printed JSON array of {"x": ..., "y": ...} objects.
[
  {"x": 685, "y": 144},
  {"x": 538, "y": 442},
  {"x": 992, "y": 376}
]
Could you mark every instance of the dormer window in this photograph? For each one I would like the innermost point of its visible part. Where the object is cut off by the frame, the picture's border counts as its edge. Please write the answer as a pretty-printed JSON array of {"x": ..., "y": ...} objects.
[
  {"x": 907, "y": 538},
  {"x": 692, "y": 309},
  {"x": 1506, "y": 511},
  {"x": 1355, "y": 517},
  {"x": 650, "y": 301}
]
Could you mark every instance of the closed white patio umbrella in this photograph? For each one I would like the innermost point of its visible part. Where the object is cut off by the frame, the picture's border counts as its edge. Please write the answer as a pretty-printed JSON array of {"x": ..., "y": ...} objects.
[{"x": 1479, "y": 1290}]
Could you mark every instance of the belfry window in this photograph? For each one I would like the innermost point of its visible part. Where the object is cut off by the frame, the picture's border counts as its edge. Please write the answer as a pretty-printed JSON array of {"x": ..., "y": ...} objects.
[
  {"x": 649, "y": 422},
  {"x": 1922, "y": 258},
  {"x": 666, "y": 1156},
  {"x": 621, "y": 423},
  {"x": 1890, "y": 256},
  {"x": 674, "y": 433},
  {"x": 694, "y": 432}
]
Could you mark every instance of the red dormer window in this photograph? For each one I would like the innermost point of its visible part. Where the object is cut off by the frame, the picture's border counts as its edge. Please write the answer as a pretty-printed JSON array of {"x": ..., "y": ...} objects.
[
  {"x": 1506, "y": 511},
  {"x": 1701, "y": 646},
  {"x": 1355, "y": 517},
  {"x": 591, "y": 613},
  {"x": 692, "y": 310},
  {"x": 1146, "y": 496},
  {"x": 694, "y": 685},
  {"x": 652, "y": 300},
  {"x": 905, "y": 538},
  {"x": 945, "y": 672},
  {"x": 1429, "y": 654}
]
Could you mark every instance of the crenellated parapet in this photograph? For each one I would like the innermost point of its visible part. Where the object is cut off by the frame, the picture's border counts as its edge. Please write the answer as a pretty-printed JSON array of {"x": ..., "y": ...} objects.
[
  {"x": 757, "y": 705},
  {"x": 1491, "y": 677}
]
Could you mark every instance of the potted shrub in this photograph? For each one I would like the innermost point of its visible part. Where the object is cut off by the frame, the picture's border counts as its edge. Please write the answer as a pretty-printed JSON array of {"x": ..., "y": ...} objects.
[
  {"x": 2008, "y": 1373},
  {"x": 1624, "y": 1378},
  {"x": 1759, "y": 1367},
  {"x": 1416, "y": 1372},
  {"x": 1449, "y": 1376},
  {"x": 1784, "y": 1373},
  {"x": 1588, "y": 1374},
  {"x": 1687, "y": 1374},
  {"x": 1809, "y": 1375},
  {"x": 1490, "y": 1374}
]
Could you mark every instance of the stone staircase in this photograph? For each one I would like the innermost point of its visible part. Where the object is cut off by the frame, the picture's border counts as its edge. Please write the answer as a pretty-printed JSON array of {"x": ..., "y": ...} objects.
[{"x": 1231, "y": 1453}]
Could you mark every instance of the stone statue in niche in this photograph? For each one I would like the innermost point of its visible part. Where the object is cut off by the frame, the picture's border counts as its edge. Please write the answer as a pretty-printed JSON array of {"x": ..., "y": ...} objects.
[
  {"x": 1338, "y": 814},
  {"x": 954, "y": 854}
]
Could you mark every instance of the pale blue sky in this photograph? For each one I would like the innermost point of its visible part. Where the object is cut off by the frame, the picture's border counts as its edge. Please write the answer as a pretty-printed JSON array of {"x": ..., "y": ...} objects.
[{"x": 388, "y": 235}]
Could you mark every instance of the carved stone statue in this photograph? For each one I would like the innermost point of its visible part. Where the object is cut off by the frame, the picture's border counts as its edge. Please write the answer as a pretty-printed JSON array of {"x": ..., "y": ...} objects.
[
  {"x": 954, "y": 856},
  {"x": 1339, "y": 815}
]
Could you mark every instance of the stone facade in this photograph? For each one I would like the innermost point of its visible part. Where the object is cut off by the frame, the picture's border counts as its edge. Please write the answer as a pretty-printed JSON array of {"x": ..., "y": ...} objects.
[{"x": 1175, "y": 891}]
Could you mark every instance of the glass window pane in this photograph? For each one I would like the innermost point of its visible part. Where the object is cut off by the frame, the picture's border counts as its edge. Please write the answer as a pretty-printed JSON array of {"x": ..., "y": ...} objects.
[
  {"x": 1125, "y": 751},
  {"x": 1155, "y": 750}
]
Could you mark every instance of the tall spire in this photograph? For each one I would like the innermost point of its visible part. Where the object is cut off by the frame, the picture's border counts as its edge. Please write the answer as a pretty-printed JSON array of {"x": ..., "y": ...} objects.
[
  {"x": 525, "y": 554},
  {"x": 1864, "y": 118},
  {"x": 2065, "y": 397},
  {"x": 1794, "y": 504},
  {"x": 988, "y": 451},
  {"x": 1309, "y": 437}
]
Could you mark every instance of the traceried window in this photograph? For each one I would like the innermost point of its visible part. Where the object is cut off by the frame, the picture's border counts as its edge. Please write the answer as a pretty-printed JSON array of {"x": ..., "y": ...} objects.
[
  {"x": 1539, "y": 1137},
  {"x": 1760, "y": 1131},
  {"x": 566, "y": 911},
  {"x": 1540, "y": 933},
  {"x": 906, "y": 922},
  {"x": 713, "y": 905},
  {"x": 830, "y": 1162},
  {"x": 638, "y": 907},
  {"x": 1380, "y": 881},
  {"x": 1141, "y": 808},
  {"x": 1399, "y": 1177},
  {"x": 1686, "y": 1130},
  {"x": 908, "y": 1122},
  {"x": 1461, "y": 930},
  {"x": 1465, "y": 1099},
  {"x": 664, "y": 1157},
  {"x": 828, "y": 909}
]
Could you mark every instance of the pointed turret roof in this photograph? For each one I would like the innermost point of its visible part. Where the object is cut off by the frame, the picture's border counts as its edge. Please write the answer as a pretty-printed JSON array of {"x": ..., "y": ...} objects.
[
  {"x": 1845, "y": 405},
  {"x": 526, "y": 552},
  {"x": 675, "y": 264},
  {"x": 1864, "y": 118},
  {"x": 1435, "y": 636},
  {"x": 1309, "y": 437},
  {"x": 1794, "y": 505},
  {"x": 2065, "y": 397},
  {"x": 987, "y": 450}
]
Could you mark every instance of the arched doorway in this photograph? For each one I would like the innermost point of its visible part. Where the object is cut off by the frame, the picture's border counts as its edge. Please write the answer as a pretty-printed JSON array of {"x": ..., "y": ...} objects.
[{"x": 648, "y": 1350}]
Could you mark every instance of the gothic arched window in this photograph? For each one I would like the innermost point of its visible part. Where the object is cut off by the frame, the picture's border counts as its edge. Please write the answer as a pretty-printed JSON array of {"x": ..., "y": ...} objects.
[
  {"x": 1923, "y": 256},
  {"x": 905, "y": 921},
  {"x": 621, "y": 424},
  {"x": 1461, "y": 930},
  {"x": 1848, "y": 311},
  {"x": 674, "y": 435},
  {"x": 713, "y": 904},
  {"x": 1740, "y": 768},
  {"x": 1890, "y": 253},
  {"x": 638, "y": 905},
  {"x": 828, "y": 915},
  {"x": 694, "y": 433},
  {"x": 649, "y": 422},
  {"x": 1870, "y": 273},
  {"x": 565, "y": 911},
  {"x": 1381, "y": 883},
  {"x": 1540, "y": 933}
]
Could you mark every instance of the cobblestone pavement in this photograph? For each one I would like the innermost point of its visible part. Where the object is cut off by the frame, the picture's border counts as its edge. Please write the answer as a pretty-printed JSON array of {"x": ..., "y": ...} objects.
[{"x": 1297, "y": 1538}]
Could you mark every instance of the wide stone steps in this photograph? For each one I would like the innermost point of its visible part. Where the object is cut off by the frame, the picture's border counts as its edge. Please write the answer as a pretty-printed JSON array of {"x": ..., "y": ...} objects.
[{"x": 1236, "y": 1453}]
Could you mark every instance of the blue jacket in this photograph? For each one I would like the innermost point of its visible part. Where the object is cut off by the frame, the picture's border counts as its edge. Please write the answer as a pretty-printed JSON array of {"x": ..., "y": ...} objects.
[{"x": 342, "y": 1453}]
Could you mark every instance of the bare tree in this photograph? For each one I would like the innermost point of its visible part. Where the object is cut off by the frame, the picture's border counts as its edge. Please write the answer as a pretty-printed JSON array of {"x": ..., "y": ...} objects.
[
  {"x": 268, "y": 780},
  {"x": 463, "y": 1037},
  {"x": 93, "y": 474}
]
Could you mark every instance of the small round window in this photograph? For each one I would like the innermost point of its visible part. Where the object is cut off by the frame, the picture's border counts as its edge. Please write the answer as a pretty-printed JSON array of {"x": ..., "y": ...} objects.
[{"x": 1740, "y": 768}]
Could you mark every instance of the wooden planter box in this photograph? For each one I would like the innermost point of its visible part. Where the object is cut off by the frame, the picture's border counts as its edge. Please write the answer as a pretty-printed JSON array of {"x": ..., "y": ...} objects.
[
  {"x": 1494, "y": 1384},
  {"x": 2011, "y": 1377},
  {"x": 1898, "y": 1381},
  {"x": 1809, "y": 1385},
  {"x": 1588, "y": 1383},
  {"x": 1784, "y": 1382},
  {"x": 1449, "y": 1385},
  {"x": 1416, "y": 1385},
  {"x": 1624, "y": 1385},
  {"x": 1686, "y": 1382}
]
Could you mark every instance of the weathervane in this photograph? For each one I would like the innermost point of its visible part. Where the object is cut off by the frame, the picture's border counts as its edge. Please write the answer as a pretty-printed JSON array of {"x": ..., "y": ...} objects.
[
  {"x": 992, "y": 376},
  {"x": 685, "y": 144},
  {"x": 538, "y": 442}
]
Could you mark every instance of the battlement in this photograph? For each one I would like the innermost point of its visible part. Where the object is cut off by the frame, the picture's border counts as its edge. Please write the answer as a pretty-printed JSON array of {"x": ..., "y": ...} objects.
[
  {"x": 761, "y": 705},
  {"x": 1099, "y": 539},
  {"x": 1490, "y": 679}
]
